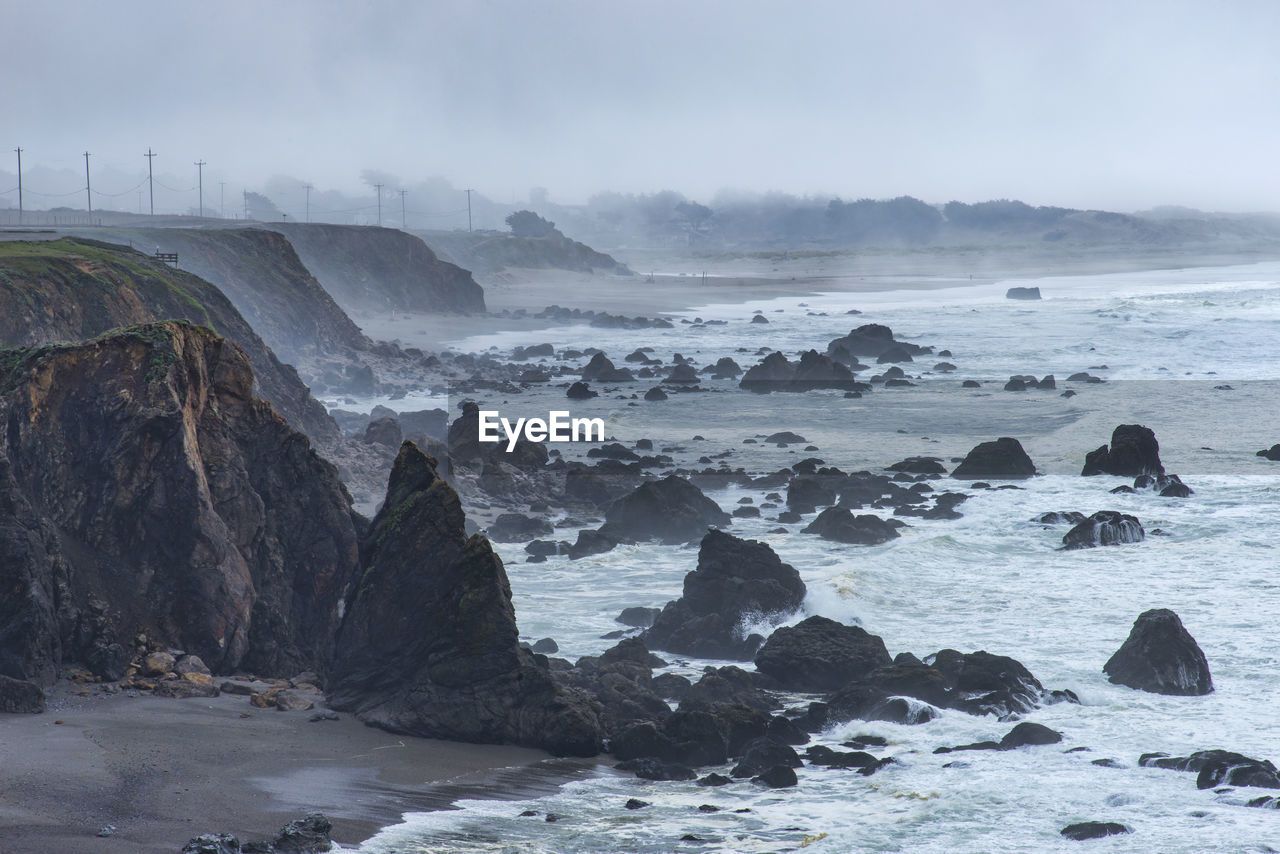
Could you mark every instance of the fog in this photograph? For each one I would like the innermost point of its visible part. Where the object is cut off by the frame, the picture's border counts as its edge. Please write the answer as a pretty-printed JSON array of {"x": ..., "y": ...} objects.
[{"x": 1083, "y": 105}]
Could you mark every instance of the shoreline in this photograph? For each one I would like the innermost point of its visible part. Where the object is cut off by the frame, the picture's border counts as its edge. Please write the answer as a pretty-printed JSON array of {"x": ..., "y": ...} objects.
[{"x": 163, "y": 771}]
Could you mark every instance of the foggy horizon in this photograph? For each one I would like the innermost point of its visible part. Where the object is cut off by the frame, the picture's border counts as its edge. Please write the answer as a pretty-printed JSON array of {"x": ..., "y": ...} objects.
[{"x": 1090, "y": 107}]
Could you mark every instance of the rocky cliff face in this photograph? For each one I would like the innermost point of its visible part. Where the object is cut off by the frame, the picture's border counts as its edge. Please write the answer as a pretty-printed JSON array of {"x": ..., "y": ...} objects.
[
  {"x": 377, "y": 269},
  {"x": 433, "y": 649},
  {"x": 151, "y": 493},
  {"x": 71, "y": 289}
]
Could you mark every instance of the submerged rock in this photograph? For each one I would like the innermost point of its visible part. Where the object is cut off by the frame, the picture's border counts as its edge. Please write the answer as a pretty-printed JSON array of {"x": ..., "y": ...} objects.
[
  {"x": 1083, "y": 830},
  {"x": 837, "y": 523},
  {"x": 1160, "y": 656},
  {"x": 1104, "y": 528}
]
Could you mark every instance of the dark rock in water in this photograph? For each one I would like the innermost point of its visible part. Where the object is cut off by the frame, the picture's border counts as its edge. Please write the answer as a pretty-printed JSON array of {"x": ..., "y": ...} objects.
[
  {"x": 1083, "y": 377},
  {"x": 786, "y": 731},
  {"x": 714, "y": 780},
  {"x": 671, "y": 510},
  {"x": 671, "y": 686},
  {"x": 1055, "y": 518},
  {"x": 872, "y": 339},
  {"x": 819, "y": 655},
  {"x": 546, "y": 548},
  {"x": 655, "y": 393},
  {"x": 1002, "y": 459},
  {"x": 682, "y": 375},
  {"x": 759, "y": 318},
  {"x": 211, "y": 843},
  {"x": 828, "y": 758},
  {"x": 429, "y": 644},
  {"x": 1237, "y": 770},
  {"x": 1047, "y": 384},
  {"x": 305, "y": 835},
  {"x": 580, "y": 391},
  {"x": 733, "y": 578},
  {"x": 1272, "y": 453},
  {"x": 546, "y": 646},
  {"x": 1165, "y": 485},
  {"x": 1104, "y": 528},
  {"x": 837, "y": 523},
  {"x": 1196, "y": 762},
  {"x": 970, "y": 384},
  {"x": 1134, "y": 451},
  {"x": 518, "y": 528},
  {"x": 1160, "y": 656},
  {"x": 765, "y": 753},
  {"x": 1015, "y": 384},
  {"x": 17, "y": 696},
  {"x": 590, "y": 543},
  {"x": 919, "y": 465},
  {"x": 1027, "y": 733},
  {"x": 726, "y": 369},
  {"x": 746, "y": 513},
  {"x": 636, "y": 804},
  {"x": 600, "y": 369},
  {"x": 777, "y": 777},
  {"x": 813, "y": 371},
  {"x": 521, "y": 354},
  {"x": 786, "y": 437},
  {"x": 1023, "y": 293},
  {"x": 808, "y": 492},
  {"x": 1093, "y": 830},
  {"x": 944, "y": 367},
  {"x": 636, "y": 616},
  {"x": 656, "y": 769}
]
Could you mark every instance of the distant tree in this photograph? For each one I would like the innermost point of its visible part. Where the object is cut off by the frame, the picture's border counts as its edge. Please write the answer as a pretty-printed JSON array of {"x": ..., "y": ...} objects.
[
  {"x": 261, "y": 208},
  {"x": 529, "y": 224}
]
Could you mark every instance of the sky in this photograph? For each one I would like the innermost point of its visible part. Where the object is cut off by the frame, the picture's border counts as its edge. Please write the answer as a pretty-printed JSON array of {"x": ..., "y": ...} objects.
[{"x": 1113, "y": 105}]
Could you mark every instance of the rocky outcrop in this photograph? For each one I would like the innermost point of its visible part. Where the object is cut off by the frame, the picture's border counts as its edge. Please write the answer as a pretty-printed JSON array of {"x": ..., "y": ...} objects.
[
  {"x": 1160, "y": 656},
  {"x": 814, "y": 370},
  {"x": 671, "y": 510},
  {"x": 1133, "y": 451},
  {"x": 307, "y": 835},
  {"x": 876, "y": 341},
  {"x": 600, "y": 369},
  {"x": 71, "y": 289},
  {"x": 819, "y": 655},
  {"x": 1083, "y": 830},
  {"x": 734, "y": 579},
  {"x": 148, "y": 492},
  {"x": 433, "y": 650},
  {"x": 1104, "y": 528},
  {"x": 1032, "y": 293},
  {"x": 865, "y": 529},
  {"x": 1003, "y": 459}
]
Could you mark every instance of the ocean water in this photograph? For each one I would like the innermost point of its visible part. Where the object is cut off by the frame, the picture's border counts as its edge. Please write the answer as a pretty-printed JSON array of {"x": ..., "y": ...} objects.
[{"x": 992, "y": 580}]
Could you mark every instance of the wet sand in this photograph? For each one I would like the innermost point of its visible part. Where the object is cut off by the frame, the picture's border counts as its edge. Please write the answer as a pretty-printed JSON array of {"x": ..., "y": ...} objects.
[{"x": 163, "y": 771}]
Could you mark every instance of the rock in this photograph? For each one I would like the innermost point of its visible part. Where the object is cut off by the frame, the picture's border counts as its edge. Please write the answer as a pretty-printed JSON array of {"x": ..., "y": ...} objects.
[
  {"x": 777, "y": 777},
  {"x": 725, "y": 369},
  {"x": 1104, "y": 528},
  {"x": 1015, "y": 384},
  {"x": 1165, "y": 485},
  {"x": 580, "y": 391},
  {"x": 385, "y": 432},
  {"x": 1055, "y": 518},
  {"x": 818, "y": 655},
  {"x": 1272, "y": 453},
  {"x": 1093, "y": 830},
  {"x": 1134, "y": 451},
  {"x": 1160, "y": 656},
  {"x": 1021, "y": 293},
  {"x": 786, "y": 437},
  {"x": 1026, "y": 734},
  {"x": 837, "y": 523},
  {"x": 919, "y": 465},
  {"x": 734, "y": 578},
  {"x": 591, "y": 543},
  {"x": 759, "y": 318},
  {"x": 307, "y": 835},
  {"x": 637, "y": 616},
  {"x": 1002, "y": 459},
  {"x": 872, "y": 339},
  {"x": 209, "y": 843},
  {"x": 429, "y": 645},
  {"x": 288, "y": 701},
  {"x": 682, "y": 375},
  {"x": 600, "y": 369},
  {"x": 714, "y": 780},
  {"x": 546, "y": 646},
  {"x": 190, "y": 664},
  {"x": 814, "y": 370},
  {"x": 185, "y": 689},
  {"x": 765, "y": 753},
  {"x": 18, "y": 696},
  {"x": 671, "y": 510},
  {"x": 635, "y": 804},
  {"x": 1235, "y": 770},
  {"x": 1084, "y": 377},
  {"x": 518, "y": 528},
  {"x": 534, "y": 351},
  {"x": 157, "y": 664},
  {"x": 655, "y": 393},
  {"x": 656, "y": 769}
]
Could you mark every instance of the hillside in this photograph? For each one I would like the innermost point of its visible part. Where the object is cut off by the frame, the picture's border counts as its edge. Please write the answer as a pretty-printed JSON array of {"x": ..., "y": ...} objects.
[
  {"x": 74, "y": 288},
  {"x": 486, "y": 253},
  {"x": 376, "y": 269}
]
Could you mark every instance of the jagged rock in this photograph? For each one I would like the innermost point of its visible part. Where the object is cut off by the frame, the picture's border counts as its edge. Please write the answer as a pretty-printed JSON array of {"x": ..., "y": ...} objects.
[
  {"x": 533, "y": 351},
  {"x": 655, "y": 393},
  {"x": 1218, "y": 768},
  {"x": 637, "y": 616},
  {"x": 1164, "y": 485},
  {"x": 656, "y": 769},
  {"x": 725, "y": 369},
  {"x": 1160, "y": 656},
  {"x": 429, "y": 645},
  {"x": 1093, "y": 830},
  {"x": 385, "y": 432},
  {"x": 157, "y": 664},
  {"x": 1134, "y": 451},
  {"x": 682, "y": 375},
  {"x": 837, "y": 523},
  {"x": 1104, "y": 528},
  {"x": 518, "y": 528},
  {"x": 591, "y": 543},
  {"x": 777, "y": 777},
  {"x": 1002, "y": 459},
  {"x": 580, "y": 391},
  {"x": 210, "y": 843},
  {"x": 1054, "y": 517},
  {"x": 20, "y": 697},
  {"x": 671, "y": 510},
  {"x": 819, "y": 654},
  {"x": 813, "y": 371},
  {"x": 765, "y": 753},
  {"x": 759, "y": 318},
  {"x": 1031, "y": 293},
  {"x": 733, "y": 578},
  {"x": 871, "y": 339},
  {"x": 600, "y": 369},
  {"x": 1272, "y": 453}
]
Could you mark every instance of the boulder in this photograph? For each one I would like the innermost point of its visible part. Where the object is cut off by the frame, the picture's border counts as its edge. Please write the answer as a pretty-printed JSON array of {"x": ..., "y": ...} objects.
[
  {"x": 1272, "y": 453},
  {"x": 765, "y": 753},
  {"x": 157, "y": 664},
  {"x": 1133, "y": 451},
  {"x": 591, "y": 543},
  {"x": 580, "y": 391},
  {"x": 871, "y": 339},
  {"x": 1027, "y": 734},
  {"x": 682, "y": 375},
  {"x": 1003, "y": 459},
  {"x": 734, "y": 578},
  {"x": 819, "y": 654},
  {"x": 655, "y": 393},
  {"x": 919, "y": 465},
  {"x": 518, "y": 528},
  {"x": 600, "y": 369},
  {"x": 1160, "y": 656},
  {"x": 385, "y": 432},
  {"x": 813, "y": 371},
  {"x": 1032, "y": 293},
  {"x": 837, "y": 523},
  {"x": 1083, "y": 830},
  {"x": 1104, "y": 528},
  {"x": 671, "y": 510},
  {"x": 18, "y": 696}
]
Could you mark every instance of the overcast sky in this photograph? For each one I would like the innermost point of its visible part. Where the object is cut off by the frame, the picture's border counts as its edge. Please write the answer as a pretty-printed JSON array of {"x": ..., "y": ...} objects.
[{"x": 1119, "y": 105}]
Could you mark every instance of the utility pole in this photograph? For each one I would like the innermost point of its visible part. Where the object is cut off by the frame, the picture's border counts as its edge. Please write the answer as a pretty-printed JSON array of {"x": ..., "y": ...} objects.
[
  {"x": 403, "y": 223},
  {"x": 308, "y": 203},
  {"x": 246, "y": 203},
  {"x": 19, "y": 150},
  {"x": 150, "y": 187},
  {"x": 468, "y": 211},
  {"x": 200, "y": 173},
  {"x": 222, "y": 197},
  {"x": 87, "y": 193},
  {"x": 379, "y": 188}
]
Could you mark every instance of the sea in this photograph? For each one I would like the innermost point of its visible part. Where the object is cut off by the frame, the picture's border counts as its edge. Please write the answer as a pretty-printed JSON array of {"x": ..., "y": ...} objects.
[{"x": 1190, "y": 353}]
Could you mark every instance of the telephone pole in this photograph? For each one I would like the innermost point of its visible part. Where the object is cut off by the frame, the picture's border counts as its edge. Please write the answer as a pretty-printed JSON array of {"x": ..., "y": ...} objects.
[
  {"x": 222, "y": 197},
  {"x": 19, "y": 150},
  {"x": 308, "y": 203},
  {"x": 150, "y": 187},
  {"x": 403, "y": 222},
  {"x": 246, "y": 203},
  {"x": 468, "y": 211},
  {"x": 379, "y": 188},
  {"x": 200, "y": 173},
  {"x": 88, "y": 195}
]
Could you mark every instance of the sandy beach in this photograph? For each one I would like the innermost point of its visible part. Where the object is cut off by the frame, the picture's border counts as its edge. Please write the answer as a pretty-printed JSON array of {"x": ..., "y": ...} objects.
[{"x": 163, "y": 771}]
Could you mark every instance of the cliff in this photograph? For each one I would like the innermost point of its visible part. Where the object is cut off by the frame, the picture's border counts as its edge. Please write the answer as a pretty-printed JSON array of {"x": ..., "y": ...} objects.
[
  {"x": 487, "y": 253},
  {"x": 74, "y": 288},
  {"x": 375, "y": 269}
]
